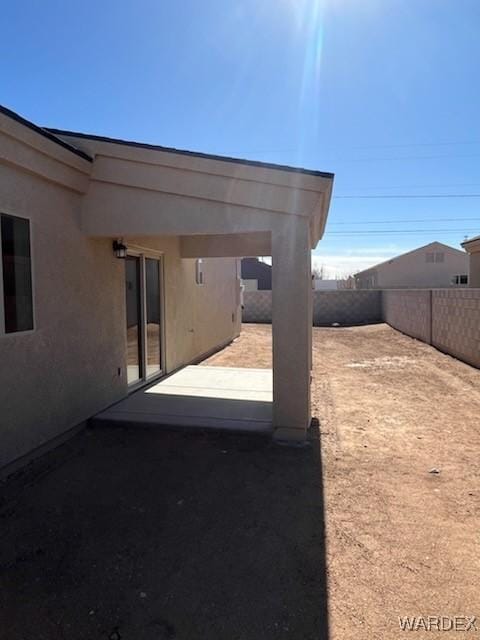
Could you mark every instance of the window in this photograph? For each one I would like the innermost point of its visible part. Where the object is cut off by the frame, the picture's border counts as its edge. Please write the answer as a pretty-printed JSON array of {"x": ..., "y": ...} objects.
[
  {"x": 199, "y": 275},
  {"x": 16, "y": 270},
  {"x": 462, "y": 279},
  {"x": 435, "y": 256}
]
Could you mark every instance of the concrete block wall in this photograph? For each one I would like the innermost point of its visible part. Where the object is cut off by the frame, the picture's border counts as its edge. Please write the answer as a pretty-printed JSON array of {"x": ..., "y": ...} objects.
[
  {"x": 257, "y": 307},
  {"x": 345, "y": 307},
  {"x": 456, "y": 323},
  {"x": 448, "y": 319},
  {"x": 409, "y": 311}
]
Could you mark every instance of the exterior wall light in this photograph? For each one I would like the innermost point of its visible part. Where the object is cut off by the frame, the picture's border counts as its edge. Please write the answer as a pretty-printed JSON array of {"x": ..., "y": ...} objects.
[{"x": 119, "y": 249}]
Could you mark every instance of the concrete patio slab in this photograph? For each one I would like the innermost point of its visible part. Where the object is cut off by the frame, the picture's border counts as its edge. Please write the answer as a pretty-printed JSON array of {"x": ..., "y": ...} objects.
[
  {"x": 218, "y": 382},
  {"x": 220, "y": 398}
]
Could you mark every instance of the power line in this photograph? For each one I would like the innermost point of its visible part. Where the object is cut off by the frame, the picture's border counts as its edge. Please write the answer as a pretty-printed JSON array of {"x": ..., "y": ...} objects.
[
  {"x": 402, "y": 231},
  {"x": 326, "y": 148},
  {"x": 411, "y": 220},
  {"x": 413, "y": 186},
  {"x": 419, "y": 144},
  {"x": 362, "y": 147},
  {"x": 416, "y": 157},
  {"x": 403, "y": 196}
]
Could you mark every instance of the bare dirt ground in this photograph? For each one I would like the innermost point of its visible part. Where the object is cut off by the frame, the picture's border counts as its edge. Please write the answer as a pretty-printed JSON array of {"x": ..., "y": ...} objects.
[
  {"x": 401, "y": 541},
  {"x": 145, "y": 534}
]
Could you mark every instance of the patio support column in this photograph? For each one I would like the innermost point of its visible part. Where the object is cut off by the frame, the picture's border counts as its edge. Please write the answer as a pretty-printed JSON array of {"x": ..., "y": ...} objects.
[{"x": 292, "y": 329}]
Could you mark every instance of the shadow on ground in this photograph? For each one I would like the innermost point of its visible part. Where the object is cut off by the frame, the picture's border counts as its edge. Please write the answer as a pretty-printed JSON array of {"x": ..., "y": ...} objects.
[{"x": 125, "y": 533}]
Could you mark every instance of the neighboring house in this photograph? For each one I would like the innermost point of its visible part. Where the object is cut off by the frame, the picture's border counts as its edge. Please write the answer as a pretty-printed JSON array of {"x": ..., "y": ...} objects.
[
  {"x": 249, "y": 285},
  {"x": 256, "y": 275},
  {"x": 472, "y": 247},
  {"x": 80, "y": 328},
  {"x": 320, "y": 284},
  {"x": 436, "y": 265}
]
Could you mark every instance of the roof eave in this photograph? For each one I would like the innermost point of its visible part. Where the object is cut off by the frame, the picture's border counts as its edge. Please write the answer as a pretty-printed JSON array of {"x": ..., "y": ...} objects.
[
  {"x": 194, "y": 154},
  {"x": 472, "y": 244},
  {"x": 44, "y": 132}
]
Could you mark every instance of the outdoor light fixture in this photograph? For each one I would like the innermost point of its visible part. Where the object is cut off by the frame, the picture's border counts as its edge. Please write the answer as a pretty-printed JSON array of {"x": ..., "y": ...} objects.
[{"x": 119, "y": 249}]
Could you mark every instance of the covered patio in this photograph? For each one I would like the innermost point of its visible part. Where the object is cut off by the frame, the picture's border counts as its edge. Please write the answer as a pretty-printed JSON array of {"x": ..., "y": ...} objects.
[
  {"x": 218, "y": 398},
  {"x": 221, "y": 207}
]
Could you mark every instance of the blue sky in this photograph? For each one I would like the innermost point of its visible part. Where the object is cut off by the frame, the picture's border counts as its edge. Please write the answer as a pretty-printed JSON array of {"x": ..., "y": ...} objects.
[{"x": 384, "y": 93}]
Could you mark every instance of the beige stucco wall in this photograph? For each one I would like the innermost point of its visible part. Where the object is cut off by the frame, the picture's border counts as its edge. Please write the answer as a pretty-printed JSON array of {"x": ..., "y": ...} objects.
[
  {"x": 412, "y": 270},
  {"x": 475, "y": 269},
  {"x": 473, "y": 248},
  {"x": 66, "y": 370}
]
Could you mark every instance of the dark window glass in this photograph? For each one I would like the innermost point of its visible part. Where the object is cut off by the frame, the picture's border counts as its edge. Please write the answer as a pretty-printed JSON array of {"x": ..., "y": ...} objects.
[
  {"x": 134, "y": 344},
  {"x": 152, "y": 295},
  {"x": 17, "y": 274}
]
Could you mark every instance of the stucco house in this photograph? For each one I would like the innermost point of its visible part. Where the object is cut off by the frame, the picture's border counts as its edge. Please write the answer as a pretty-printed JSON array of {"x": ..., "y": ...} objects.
[
  {"x": 119, "y": 265},
  {"x": 435, "y": 265},
  {"x": 472, "y": 247},
  {"x": 256, "y": 275}
]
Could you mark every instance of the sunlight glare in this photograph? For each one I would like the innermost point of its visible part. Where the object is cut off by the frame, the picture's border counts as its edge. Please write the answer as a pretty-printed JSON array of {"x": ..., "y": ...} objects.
[{"x": 308, "y": 16}]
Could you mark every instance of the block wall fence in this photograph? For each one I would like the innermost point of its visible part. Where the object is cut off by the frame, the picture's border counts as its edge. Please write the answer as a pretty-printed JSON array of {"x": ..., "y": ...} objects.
[
  {"x": 448, "y": 319},
  {"x": 347, "y": 307},
  {"x": 409, "y": 311}
]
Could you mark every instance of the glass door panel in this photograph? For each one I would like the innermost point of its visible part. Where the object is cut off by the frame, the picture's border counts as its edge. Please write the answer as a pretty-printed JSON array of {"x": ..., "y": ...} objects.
[
  {"x": 134, "y": 333},
  {"x": 153, "y": 316}
]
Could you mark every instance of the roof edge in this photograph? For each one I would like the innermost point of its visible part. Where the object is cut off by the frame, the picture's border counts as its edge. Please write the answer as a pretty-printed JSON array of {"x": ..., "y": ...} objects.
[
  {"x": 195, "y": 154},
  {"x": 402, "y": 255},
  {"x": 470, "y": 240},
  {"x": 44, "y": 132}
]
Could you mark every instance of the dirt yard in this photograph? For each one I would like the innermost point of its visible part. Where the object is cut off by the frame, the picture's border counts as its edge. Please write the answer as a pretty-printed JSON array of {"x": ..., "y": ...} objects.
[
  {"x": 145, "y": 534},
  {"x": 401, "y": 541}
]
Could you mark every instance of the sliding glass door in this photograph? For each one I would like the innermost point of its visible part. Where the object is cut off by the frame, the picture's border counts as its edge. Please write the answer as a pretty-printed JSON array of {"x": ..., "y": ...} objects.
[
  {"x": 153, "y": 316},
  {"x": 143, "y": 291}
]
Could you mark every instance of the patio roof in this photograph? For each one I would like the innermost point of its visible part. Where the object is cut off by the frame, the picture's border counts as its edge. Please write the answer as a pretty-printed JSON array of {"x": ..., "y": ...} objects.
[
  {"x": 45, "y": 133},
  {"x": 197, "y": 154},
  {"x": 142, "y": 189}
]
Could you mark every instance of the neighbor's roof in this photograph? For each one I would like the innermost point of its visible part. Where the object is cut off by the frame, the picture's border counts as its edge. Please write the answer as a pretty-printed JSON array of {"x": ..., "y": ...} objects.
[
  {"x": 474, "y": 239},
  {"x": 195, "y": 154},
  {"x": 44, "y": 132},
  {"x": 407, "y": 253}
]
